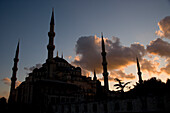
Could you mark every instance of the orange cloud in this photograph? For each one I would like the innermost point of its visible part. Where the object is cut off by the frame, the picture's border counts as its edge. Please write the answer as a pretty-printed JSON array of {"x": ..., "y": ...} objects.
[
  {"x": 69, "y": 57},
  {"x": 164, "y": 28},
  {"x": 7, "y": 81},
  {"x": 77, "y": 58},
  {"x": 110, "y": 78},
  {"x": 121, "y": 75},
  {"x": 17, "y": 83},
  {"x": 150, "y": 66},
  {"x": 159, "y": 47},
  {"x": 166, "y": 69},
  {"x": 85, "y": 73},
  {"x": 118, "y": 56},
  {"x": 4, "y": 94}
]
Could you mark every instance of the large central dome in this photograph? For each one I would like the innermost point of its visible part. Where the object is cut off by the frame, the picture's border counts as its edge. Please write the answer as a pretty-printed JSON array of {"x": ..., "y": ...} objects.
[{"x": 58, "y": 59}]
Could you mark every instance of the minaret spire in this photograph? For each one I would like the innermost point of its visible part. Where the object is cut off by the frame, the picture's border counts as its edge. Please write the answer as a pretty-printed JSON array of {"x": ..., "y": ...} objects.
[
  {"x": 94, "y": 78},
  {"x": 51, "y": 46},
  {"x": 104, "y": 63},
  {"x": 139, "y": 72},
  {"x": 103, "y": 45},
  {"x": 52, "y": 17},
  {"x": 51, "y": 35},
  {"x": 14, "y": 78}
]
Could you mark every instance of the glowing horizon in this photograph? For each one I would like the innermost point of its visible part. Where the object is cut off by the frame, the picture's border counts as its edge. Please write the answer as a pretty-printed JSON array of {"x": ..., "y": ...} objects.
[{"x": 127, "y": 26}]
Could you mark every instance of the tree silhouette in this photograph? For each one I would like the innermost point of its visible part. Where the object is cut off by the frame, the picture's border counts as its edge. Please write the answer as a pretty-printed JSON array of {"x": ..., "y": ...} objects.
[
  {"x": 121, "y": 85},
  {"x": 151, "y": 86}
]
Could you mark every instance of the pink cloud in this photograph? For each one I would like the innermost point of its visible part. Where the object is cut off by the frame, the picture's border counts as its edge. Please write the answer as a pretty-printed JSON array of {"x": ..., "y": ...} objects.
[{"x": 7, "y": 81}]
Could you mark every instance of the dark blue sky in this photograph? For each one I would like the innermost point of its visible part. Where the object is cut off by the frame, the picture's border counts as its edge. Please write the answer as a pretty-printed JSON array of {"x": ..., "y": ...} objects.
[{"x": 28, "y": 20}]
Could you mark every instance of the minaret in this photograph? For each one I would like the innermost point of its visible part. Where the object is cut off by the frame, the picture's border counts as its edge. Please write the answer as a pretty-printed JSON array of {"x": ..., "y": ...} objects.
[
  {"x": 14, "y": 78},
  {"x": 139, "y": 72},
  {"x": 57, "y": 53},
  {"x": 62, "y": 55},
  {"x": 51, "y": 35},
  {"x": 94, "y": 78},
  {"x": 104, "y": 63},
  {"x": 51, "y": 46}
]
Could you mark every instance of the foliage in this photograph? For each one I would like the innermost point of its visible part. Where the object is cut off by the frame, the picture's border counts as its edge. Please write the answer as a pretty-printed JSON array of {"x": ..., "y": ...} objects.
[
  {"x": 121, "y": 85},
  {"x": 151, "y": 86}
]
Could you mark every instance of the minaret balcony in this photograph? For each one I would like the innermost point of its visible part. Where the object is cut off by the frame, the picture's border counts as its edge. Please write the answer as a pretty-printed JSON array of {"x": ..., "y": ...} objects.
[
  {"x": 50, "y": 47},
  {"x": 14, "y": 68},
  {"x": 16, "y": 59},
  {"x": 13, "y": 78},
  {"x": 103, "y": 53},
  {"x": 104, "y": 63},
  {"x": 105, "y": 74},
  {"x": 139, "y": 73},
  {"x": 51, "y": 34}
]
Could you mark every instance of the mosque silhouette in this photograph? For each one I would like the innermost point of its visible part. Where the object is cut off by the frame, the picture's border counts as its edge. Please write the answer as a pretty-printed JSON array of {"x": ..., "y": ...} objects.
[{"x": 59, "y": 87}]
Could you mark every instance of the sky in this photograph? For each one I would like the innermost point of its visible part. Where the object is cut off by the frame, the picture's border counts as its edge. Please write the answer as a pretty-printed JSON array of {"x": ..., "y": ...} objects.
[{"x": 131, "y": 28}]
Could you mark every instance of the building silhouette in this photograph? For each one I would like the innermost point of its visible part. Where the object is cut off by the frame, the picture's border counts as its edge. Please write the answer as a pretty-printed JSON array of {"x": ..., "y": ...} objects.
[
  {"x": 56, "y": 81},
  {"x": 59, "y": 87}
]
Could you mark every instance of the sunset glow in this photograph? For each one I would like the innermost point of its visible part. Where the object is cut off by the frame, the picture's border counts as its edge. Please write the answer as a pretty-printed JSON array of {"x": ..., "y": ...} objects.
[{"x": 131, "y": 29}]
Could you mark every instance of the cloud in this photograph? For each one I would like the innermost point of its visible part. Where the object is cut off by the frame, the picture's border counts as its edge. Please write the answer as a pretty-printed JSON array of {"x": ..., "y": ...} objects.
[
  {"x": 166, "y": 69},
  {"x": 159, "y": 47},
  {"x": 121, "y": 75},
  {"x": 150, "y": 66},
  {"x": 110, "y": 78},
  {"x": 85, "y": 72},
  {"x": 69, "y": 57},
  {"x": 77, "y": 58},
  {"x": 88, "y": 53},
  {"x": 17, "y": 83},
  {"x": 33, "y": 67},
  {"x": 164, "y": 28},
  {"x": 88, "y": 50},
  {"x": 7, "y": 81},
  {"x": 4, "y": 94}
]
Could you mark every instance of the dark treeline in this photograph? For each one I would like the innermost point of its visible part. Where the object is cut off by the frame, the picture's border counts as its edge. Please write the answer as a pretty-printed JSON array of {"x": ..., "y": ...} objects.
[{"x": 151, "y": 86}]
